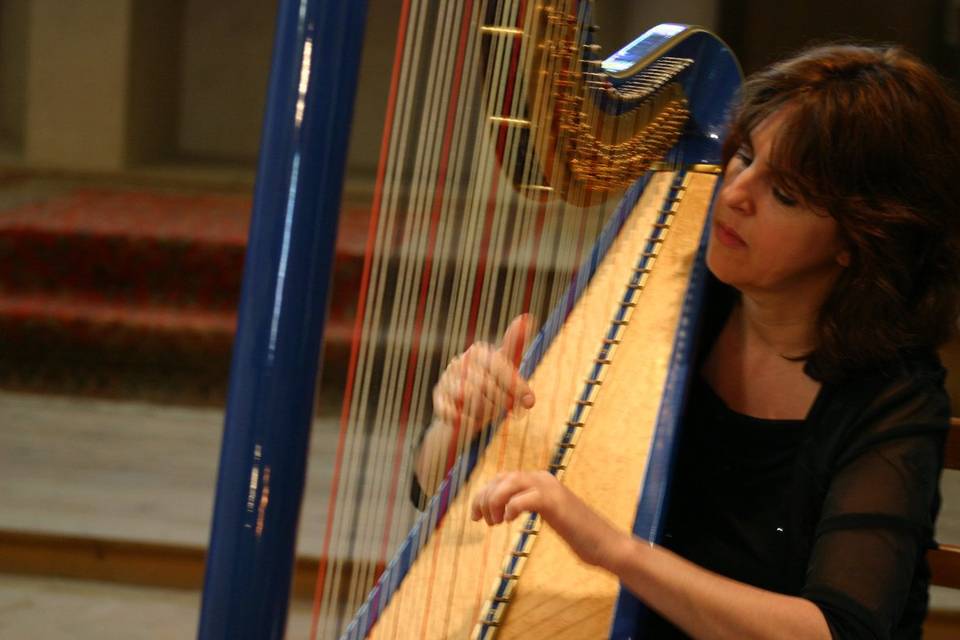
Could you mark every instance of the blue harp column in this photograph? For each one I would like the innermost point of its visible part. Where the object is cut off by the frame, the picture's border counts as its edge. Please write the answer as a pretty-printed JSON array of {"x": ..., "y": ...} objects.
[{"x": 282, "y": 307}]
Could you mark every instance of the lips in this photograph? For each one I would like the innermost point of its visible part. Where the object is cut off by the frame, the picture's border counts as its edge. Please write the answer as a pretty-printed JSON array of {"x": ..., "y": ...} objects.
[{"x": 727, "y": 236}]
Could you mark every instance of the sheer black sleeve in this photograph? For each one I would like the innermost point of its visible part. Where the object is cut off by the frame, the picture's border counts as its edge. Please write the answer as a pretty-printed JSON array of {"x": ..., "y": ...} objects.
[{"x": 877, "y": 519}]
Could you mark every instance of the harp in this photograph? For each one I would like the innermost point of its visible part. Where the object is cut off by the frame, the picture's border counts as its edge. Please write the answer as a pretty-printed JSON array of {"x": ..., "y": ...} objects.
[{"x": 549, "y": 135}]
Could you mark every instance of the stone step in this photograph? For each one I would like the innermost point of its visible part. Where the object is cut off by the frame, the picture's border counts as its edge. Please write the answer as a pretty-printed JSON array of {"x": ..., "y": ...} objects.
[
  {"x": 74, "y": 343},
  {"x": 149, "y": 247},
  {"x": 124, "y": 292},
  {"x": 129, "y": 293},
  {"x": 81, "y": 344}
]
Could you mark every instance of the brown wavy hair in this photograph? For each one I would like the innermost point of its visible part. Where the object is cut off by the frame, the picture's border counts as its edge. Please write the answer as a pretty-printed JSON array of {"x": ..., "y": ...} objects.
[{"x": 872, "y": 137}]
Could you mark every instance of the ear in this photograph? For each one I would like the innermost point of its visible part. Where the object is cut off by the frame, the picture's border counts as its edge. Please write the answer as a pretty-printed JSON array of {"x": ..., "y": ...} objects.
[{"x": 843, "y": 258}]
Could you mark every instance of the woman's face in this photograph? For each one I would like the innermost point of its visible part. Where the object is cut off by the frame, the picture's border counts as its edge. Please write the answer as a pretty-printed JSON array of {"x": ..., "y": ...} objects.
[{"x": 764, "y": 240}]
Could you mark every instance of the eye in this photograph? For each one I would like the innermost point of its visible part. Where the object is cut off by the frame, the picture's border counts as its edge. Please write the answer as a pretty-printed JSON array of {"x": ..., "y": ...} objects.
[
  {"x": 744, "y": 155},
  {"x": 783, "y": 198}
]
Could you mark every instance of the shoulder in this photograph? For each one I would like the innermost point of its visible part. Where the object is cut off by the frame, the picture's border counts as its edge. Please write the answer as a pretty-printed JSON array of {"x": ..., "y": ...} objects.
[
  {"x": 910, "y": 387},
  {"x": 905, "y": 399},
  {"x": 914, "y": 378}
]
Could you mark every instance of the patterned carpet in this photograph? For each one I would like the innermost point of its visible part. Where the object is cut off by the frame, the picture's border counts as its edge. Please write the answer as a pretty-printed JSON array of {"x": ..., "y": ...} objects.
[{"x": 123, "y": 292}]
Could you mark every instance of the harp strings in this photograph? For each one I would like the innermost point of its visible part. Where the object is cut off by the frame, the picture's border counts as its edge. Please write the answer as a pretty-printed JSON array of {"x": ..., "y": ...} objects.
[
  {"x": 493, "y": 239},
  {"x": 383, "y": 359},
  {"x": 501, "y": 256},
  {"x": 476, "y": 276},
  {"x": 457, "y": 253},
  {"x": 340, "y": 535},
  {"x": 414, "y": 250},
  {"x": 465, "y": 225}
]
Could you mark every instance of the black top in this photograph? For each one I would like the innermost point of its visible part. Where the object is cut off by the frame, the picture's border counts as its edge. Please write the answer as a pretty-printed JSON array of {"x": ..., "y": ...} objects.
[
  {"x": 837, "y": 508},
  {"x": 727, "y": 511}
]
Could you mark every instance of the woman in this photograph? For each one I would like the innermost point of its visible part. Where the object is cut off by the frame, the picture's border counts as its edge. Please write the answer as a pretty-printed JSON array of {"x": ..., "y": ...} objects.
[{"x": 819, "y": 414}]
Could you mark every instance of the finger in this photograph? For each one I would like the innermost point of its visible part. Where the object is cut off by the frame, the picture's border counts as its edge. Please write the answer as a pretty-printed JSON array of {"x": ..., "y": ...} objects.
[
  {"x": 495, "y": 374},
  {"x": 480, "y": 506},
  {"x": 501, "y": 381},
  {"x": 478, "y": 410},
  {"x": 480, "y": 371},
  {"x": 509, "y": 380},
  {"x": 465, "y": 406},
  {"x": 447, "y": 407},
  {"x": 485, "y": 504},
  {"x": 497, "y": 401},
  {"x": 463, "y": 393},
  {"x": 517, "y": 337},
  {"x": 445, "y": 391},
  {"x": 504, "y": 491},
  {"x": 528, "y": 500},
  {"x": 515, "y": 341},
  {"x": 476, "y": 506}
]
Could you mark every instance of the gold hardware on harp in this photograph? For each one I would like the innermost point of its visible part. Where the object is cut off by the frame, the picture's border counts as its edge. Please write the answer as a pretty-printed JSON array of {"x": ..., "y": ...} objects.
[
  {"x": 590, "y": 136},
  {"x": 712, "y": 169},
  {"x": 512, "y": 122},
  {"x": 501, "y": 31}
]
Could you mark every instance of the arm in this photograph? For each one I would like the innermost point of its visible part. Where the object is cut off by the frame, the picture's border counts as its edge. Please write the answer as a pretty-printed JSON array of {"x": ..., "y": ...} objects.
[
  {"x": 708, "y": 605},
  {"x": 429, "y": 464},
  {"x": 476, "y": 386},
  {"x": 874, "y": 524},
  {"x": 702, "y": 603}
]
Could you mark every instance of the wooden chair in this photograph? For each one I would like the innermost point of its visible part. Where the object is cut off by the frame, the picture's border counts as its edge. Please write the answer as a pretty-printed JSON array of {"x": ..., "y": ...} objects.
[{"x": 945, "y": 561}]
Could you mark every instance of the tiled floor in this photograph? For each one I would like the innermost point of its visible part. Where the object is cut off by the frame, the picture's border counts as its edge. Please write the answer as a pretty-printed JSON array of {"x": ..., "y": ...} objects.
[
  {"x": 143, "y": 472},
  {"x": 121, "y": 471},
  {"x": 128, "y": 471},
  {"x": 55, "y": 609}
]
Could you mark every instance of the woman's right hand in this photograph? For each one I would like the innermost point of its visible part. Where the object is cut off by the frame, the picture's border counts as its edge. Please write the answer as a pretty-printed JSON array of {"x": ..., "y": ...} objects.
[
  {"x": 483, "y": 381},
  {"x": 476, "y": 387}
]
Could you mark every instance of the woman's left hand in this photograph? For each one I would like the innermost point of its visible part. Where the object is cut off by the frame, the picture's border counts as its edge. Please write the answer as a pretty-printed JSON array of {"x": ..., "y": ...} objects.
[{"x": 588, "y": 533}]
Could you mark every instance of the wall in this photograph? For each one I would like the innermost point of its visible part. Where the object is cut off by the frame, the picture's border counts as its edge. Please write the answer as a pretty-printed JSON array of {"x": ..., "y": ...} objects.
[
  {"x": 153, "y": 81},
  {"x": 13, "y": 70},
  {"x": 621, "y": 21},
  {"x": 76, "y": 92},
  {"x": 117, "y": 83},
  {"x": 761, "y": 31},
  {"x": 371, "y": 102},
  {"x": 224, "y": 64}
]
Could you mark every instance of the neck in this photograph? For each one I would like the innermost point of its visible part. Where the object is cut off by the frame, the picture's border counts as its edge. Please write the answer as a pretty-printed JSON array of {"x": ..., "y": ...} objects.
[{"x": 785, "y": 325}]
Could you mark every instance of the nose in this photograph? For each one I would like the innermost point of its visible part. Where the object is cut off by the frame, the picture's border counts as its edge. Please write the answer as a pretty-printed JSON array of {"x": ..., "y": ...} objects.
[{"x": 737, "y": 191}]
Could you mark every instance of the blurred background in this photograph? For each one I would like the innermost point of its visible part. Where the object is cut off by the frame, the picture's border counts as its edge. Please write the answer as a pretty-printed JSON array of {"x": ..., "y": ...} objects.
[{"x": 129, "y": 132}]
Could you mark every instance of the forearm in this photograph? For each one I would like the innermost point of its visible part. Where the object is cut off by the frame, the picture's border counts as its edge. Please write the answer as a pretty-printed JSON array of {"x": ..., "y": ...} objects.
[
  {"x": 431, "y": 456},
  {"x": 707, "y": 605},
  {"x": 700, "y": 602},
  {"x": 477, "y": 385}
]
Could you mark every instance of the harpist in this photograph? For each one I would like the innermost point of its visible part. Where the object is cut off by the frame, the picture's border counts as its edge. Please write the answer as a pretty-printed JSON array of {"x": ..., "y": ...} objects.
[{"x": 806, "y": 487}]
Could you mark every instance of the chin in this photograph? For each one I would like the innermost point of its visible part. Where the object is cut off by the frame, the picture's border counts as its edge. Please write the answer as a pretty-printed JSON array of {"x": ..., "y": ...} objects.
[{"x": 719, "y": 267}]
